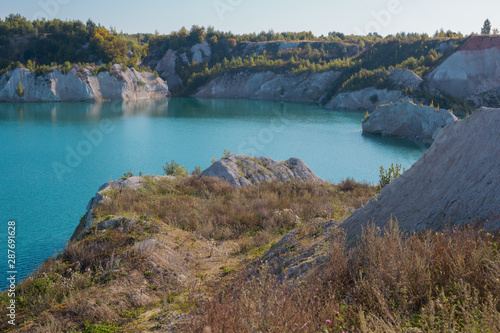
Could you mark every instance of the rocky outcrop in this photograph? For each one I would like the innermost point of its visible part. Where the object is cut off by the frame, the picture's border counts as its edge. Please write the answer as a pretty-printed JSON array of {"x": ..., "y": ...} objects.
[
  {"x": 408, "y": 120},
  {"x": 455, "y": 182},
  {"x": 472, "y": 72},
  {"x": 365, "y": 99},
  {"x": 201, "y": 52},
  {"x": 301, "y": 251},
  {"x": 166, "y": 69},
  {"x": 79, "y": 84},
  {"x": 241, "y": 170},
  {"x": 268, "y": 85},
  {"x": 88, "y": 220},
  {"x": 405, "y": 78}
]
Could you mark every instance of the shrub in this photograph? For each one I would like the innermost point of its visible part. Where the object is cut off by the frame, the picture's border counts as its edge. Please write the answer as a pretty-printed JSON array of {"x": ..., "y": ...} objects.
[
  {"x": 20, "y": 90},
  {"x": 231, "y": 42},
  {"x": 128, "y": 174},
  {"x": 387, "y": 176},
  {"x": 174, "y": 169}
]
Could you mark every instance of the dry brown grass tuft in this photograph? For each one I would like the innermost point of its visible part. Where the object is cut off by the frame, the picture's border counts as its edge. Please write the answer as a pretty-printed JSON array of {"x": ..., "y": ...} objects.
[{"x": 447, "y": 281}]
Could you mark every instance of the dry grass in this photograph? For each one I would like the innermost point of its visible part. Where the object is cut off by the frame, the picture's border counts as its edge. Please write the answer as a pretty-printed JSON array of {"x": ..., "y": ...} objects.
[
  {"x": 431, "y": 282},
  {"x": 214, "y": 209}
]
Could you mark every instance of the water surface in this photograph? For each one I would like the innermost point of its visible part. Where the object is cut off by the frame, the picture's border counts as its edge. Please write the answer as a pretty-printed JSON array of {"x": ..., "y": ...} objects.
[{"x": 55, "y": 156}]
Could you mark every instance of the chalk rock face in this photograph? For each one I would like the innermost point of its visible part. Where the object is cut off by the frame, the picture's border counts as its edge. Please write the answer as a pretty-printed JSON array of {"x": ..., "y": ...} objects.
[
  {"x": 456, "y": 181},
  {"x": 405, "y": 78},
  {"x": 201, "y": 52},
  {"x": 166, "y": 69},
  {"x": 241, "y": 170},
  {"x": 365, "y": 99},
  {"x": 79, "y": 84},
  {"x": 472, "y": 71},
  {"x": 268, "y": 85},
  {"x": 408, "y": 120}
]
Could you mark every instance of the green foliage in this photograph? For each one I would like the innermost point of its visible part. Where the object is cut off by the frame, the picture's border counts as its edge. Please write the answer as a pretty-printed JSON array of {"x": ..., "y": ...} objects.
[
  {"x": 386, "y": 176},
  {"x": 20, "y": 90},
  {"x": 128, "y": 174},
  {"x": 226, "y": 154},
  {"x": 197, "y": 170},
  {"x": 174, "y": 169},
  {"x": 66, "y": 67},
  {"x": 486, "y": 29}
]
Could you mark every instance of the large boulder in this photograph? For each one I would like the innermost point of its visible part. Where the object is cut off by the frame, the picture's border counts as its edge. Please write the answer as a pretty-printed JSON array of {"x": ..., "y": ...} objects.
[
  {"x": 408, "y": 120},
  {"x": 456, "y": 181},
  {"x": 241, "y": 170}
]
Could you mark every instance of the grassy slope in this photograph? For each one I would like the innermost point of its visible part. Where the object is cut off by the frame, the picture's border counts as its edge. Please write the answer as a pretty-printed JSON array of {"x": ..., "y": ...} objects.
[
  {"x": 177, "y": 241},
  {"x": 185, "y": 249}
]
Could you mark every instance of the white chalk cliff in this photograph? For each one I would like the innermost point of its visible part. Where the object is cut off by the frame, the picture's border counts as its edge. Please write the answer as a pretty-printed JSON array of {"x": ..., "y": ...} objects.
[
  {"x": 472, "y": 72},
  {"x": 79, "y": 84}
]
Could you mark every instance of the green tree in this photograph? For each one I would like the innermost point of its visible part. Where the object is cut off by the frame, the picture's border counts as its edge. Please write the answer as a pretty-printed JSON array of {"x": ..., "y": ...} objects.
[
  {"x": 20, "y": 90},
  {"x": 174, "y": 169},
  {"x": 486, "y": 29}
]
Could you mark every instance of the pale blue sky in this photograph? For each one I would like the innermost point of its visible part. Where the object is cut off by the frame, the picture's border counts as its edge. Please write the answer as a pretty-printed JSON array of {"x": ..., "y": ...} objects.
[{"x": 240, "y": 16}]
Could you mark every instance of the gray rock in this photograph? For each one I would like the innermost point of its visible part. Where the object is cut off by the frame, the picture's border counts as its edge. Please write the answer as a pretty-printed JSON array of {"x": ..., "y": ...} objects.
[
  {"x": 300, "y": 251},
  {"x": 201, "y": 52},
  {"x": 241, "y": 170},
  {"x": 79, "y": 84},
  {"x": 405, "y": 78},
  {"x": 303, "y": 87},
  {"x": 456, "y": 181},
  {"x": 472, "y": 71},
  {"x": 362, "y": 99},
  {"x": 408, "y": 120}
]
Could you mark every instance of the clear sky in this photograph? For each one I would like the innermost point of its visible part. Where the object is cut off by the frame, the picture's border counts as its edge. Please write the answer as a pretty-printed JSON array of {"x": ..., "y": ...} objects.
[{"x": 242, "y": 16}]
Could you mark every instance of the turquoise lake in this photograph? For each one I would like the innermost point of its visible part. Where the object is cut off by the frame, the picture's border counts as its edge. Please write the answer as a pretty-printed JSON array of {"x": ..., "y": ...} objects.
[{"x": 55, "y": 156}]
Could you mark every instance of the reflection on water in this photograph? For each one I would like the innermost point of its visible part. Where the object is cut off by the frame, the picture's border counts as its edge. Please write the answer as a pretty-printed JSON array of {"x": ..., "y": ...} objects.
[{"x": 143, "y": 135}]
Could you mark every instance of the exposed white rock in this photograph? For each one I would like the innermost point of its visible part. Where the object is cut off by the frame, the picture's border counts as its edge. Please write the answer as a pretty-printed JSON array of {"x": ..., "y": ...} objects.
[
  {"x": 471, "y": 71},
  {"x": 201, "y": 52},
  {"x": 405, "y": 78},
  {"x": 456, "y": 181},
  {"x": 80, "y": 85},
  {"x": 445, "y": 46},
  {"x": 166, "y": 69},
  {"x": 364, "y": 99},
  {"x": 241, "y": 170},
  {"x": 408, "y": 120},
  {"x": 268, "y": 85}
]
